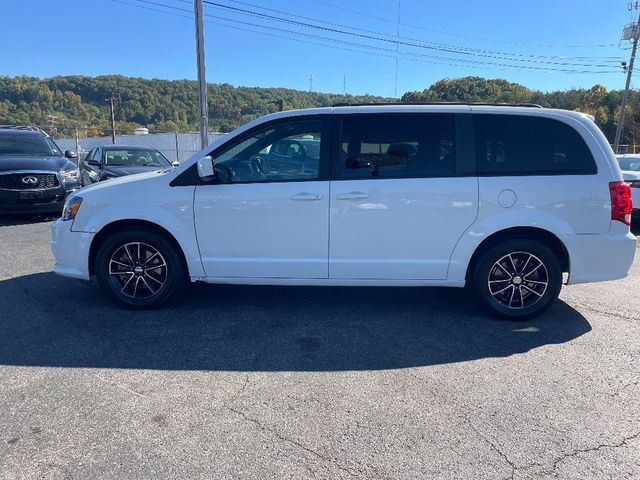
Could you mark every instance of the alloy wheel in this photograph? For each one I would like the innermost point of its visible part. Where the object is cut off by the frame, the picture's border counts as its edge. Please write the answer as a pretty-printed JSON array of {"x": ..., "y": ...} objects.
[
  {"x": 518, "y": 280},
  {"x": 138, "y": 270}
]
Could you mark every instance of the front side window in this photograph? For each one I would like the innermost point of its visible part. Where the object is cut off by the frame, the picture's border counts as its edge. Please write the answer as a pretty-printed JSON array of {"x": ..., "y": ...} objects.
[
  {"x": 521, "y": 145},
  {"x": 397, "y": 146},
  {"x": 288, "y": 151}
]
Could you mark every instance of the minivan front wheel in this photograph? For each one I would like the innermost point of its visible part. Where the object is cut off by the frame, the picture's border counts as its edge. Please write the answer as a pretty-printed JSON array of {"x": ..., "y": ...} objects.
[
  {"x": 139, "y": 269},
  {"x": 518, "y": 279}
]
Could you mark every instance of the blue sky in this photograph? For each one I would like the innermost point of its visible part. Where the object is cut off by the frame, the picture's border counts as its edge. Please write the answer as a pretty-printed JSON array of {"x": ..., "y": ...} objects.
[{"x": 439, "y": 38}]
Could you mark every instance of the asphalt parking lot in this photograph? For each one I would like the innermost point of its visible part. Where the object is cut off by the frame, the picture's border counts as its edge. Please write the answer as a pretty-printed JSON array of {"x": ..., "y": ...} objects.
[{"x": 274, "y": 382}]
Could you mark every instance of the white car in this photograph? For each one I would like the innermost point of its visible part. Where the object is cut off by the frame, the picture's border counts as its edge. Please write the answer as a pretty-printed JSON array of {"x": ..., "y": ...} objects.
[
  {"x": 505, "y": 199},
  {"x": 630, "y": 166}
]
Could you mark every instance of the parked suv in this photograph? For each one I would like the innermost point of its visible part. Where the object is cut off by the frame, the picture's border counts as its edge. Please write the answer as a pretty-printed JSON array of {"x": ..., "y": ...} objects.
[
  {"x": 504, "y": 199},
  {"x": 34, "y": 174}
]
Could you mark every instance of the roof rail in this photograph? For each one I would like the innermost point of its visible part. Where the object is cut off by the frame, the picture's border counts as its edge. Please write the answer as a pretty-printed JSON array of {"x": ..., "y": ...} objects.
[
  {"x": 488, "y": 104},
  {"x": 21, "y": 127}
]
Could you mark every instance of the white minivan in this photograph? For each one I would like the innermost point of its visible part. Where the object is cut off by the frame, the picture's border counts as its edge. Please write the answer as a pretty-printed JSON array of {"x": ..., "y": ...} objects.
[{"x": 511, "y": 200}]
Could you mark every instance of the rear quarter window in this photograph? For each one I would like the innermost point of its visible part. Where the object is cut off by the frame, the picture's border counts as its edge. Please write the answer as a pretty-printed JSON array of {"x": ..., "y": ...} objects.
[{"x": 521, "y": 145}]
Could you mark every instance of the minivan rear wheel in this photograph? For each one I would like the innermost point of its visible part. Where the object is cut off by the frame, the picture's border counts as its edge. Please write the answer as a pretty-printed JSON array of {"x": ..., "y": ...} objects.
[
  {"x": 139, "y": 269},
  {"x": 518, "y": 279}
]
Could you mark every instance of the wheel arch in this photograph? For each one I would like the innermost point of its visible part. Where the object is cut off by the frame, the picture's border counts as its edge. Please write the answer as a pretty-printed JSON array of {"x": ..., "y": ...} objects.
[
  {"x": 529, "y": 233},
  {"x": 118, "y": 225}
]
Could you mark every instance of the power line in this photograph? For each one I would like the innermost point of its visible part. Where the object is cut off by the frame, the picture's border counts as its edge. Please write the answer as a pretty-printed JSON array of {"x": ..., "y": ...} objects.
[
  {"x": 405, "y": 42},
  {"x": 442, "y": 60},
  {"x": 389, "y": 52},
  {"x": 494, "y": 40},
  {"x": 610, "y": 59}
]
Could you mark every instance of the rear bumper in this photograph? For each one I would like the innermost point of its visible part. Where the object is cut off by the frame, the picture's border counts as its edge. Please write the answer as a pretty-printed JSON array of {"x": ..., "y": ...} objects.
[
  {"x": 71, "y": 250},
  {"x": 596, "y": 258}
]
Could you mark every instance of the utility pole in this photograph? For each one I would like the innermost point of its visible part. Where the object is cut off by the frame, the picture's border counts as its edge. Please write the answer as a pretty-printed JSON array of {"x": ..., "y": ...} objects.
[
  {"x": 202, "y": 78},
  {"x": 311, "y": 83},
  {"x": 344, "y": 84},
  {"x": 395, "y": 89},
  {"x": 112, "y": 101},
  {"x": 632, "y": 31}
]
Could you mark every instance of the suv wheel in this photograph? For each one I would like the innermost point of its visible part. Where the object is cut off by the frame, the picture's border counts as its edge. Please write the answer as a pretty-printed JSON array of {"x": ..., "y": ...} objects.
[
  {"x": 518, "y": 279},
  {"x": 139, "y": 269}
]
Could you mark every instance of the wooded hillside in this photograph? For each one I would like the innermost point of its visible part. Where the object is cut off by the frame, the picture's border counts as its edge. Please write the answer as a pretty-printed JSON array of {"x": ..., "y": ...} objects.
[{"x": 168, "y": 105}]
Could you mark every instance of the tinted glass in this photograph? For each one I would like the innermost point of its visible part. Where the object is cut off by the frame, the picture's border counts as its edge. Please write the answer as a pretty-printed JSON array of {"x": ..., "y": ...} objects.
[
  {"x": 25, "y": 145},
  {"x": 54, "y": 148},
  {"x": 397, "y": 146},
  {"x": 629, "y": 164},
  {"x": 135, "y": 158},
  {"x": 519, "y": 145},
  {"x": 288, "y": 151}
]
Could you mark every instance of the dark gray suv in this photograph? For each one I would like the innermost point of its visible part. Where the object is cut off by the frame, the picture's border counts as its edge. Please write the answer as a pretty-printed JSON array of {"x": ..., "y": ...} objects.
[{"x": 35, "y": 176}]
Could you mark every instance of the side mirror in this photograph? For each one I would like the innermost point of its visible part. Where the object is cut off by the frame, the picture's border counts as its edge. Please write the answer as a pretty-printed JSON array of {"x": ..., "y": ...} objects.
[
  {"x": 205, "y": 168},
  {"x": 175, "y": 163},
  {"x": 93, "y": 163},
  {"x": 70, "y": 154}
]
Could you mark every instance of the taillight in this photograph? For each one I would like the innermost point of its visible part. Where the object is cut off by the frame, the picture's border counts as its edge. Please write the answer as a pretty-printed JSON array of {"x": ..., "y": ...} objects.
[{"x": 621, "y": 204}]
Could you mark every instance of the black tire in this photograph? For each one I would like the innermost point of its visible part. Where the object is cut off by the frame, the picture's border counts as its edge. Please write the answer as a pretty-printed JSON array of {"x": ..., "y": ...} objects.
[
  {"x": 139, "y": 269},
  {"x": 517, "y": 279}
]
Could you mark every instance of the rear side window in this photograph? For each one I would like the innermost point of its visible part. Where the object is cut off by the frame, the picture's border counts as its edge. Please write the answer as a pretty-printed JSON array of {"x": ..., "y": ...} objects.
[
  {"x": 397, "y": 146},
  {"x": 520, "y": 145}
]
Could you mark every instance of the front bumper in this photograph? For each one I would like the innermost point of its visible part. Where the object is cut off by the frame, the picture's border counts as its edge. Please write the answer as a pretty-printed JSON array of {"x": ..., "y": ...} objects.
[
  {"x": 32, "y": 201},
  {"x": 71, "y": 250}
]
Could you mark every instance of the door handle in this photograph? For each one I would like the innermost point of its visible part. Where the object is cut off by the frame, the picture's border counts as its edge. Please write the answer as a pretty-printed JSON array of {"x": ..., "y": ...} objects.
[
  {"x": 306, "y": 197},
  {"x": 352, "y": 196}
]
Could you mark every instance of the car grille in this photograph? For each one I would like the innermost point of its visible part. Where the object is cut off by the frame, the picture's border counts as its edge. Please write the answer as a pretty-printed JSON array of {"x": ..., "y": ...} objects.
[{"x": 14, "y": 181}]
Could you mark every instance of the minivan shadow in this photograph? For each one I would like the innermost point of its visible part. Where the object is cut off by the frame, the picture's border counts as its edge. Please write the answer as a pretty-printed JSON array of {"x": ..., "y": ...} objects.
[
  {"x": 50, "y": 321},
  {"x": 13, "y": 220}
]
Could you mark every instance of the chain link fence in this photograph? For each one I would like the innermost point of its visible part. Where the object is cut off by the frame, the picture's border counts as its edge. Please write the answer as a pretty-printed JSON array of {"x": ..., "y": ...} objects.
[
  {"x": 626, "y": 149},
  {"x": 176, "y": 146}
]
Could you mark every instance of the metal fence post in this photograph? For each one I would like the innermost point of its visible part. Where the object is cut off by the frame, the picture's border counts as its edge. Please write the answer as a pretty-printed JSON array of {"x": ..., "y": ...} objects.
[
  {"x": 177, "y": 149},
  {"x": 77, "y": 149}
]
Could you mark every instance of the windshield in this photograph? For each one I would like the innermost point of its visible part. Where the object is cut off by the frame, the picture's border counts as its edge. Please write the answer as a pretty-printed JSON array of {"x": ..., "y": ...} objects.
[
  {"x": 629, "y": 164},
  {"x": 135, "y": 158},
  {"x": 27, "y": 145}
]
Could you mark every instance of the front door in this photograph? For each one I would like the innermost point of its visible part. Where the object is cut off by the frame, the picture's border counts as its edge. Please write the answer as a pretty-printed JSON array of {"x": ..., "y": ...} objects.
[
  {"x": 398, "y": 203},
  {"x": 262, "y": 218}
]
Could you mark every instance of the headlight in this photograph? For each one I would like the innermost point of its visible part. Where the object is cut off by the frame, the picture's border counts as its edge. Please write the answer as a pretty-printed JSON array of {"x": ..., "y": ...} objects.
[
  {"x": 71, "y": 207},
  {"x": 70, "y": 174}
]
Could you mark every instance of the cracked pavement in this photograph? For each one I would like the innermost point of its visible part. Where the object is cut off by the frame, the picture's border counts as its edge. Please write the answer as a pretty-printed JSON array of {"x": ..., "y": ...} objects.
[{"x": 331, "y": 383}]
